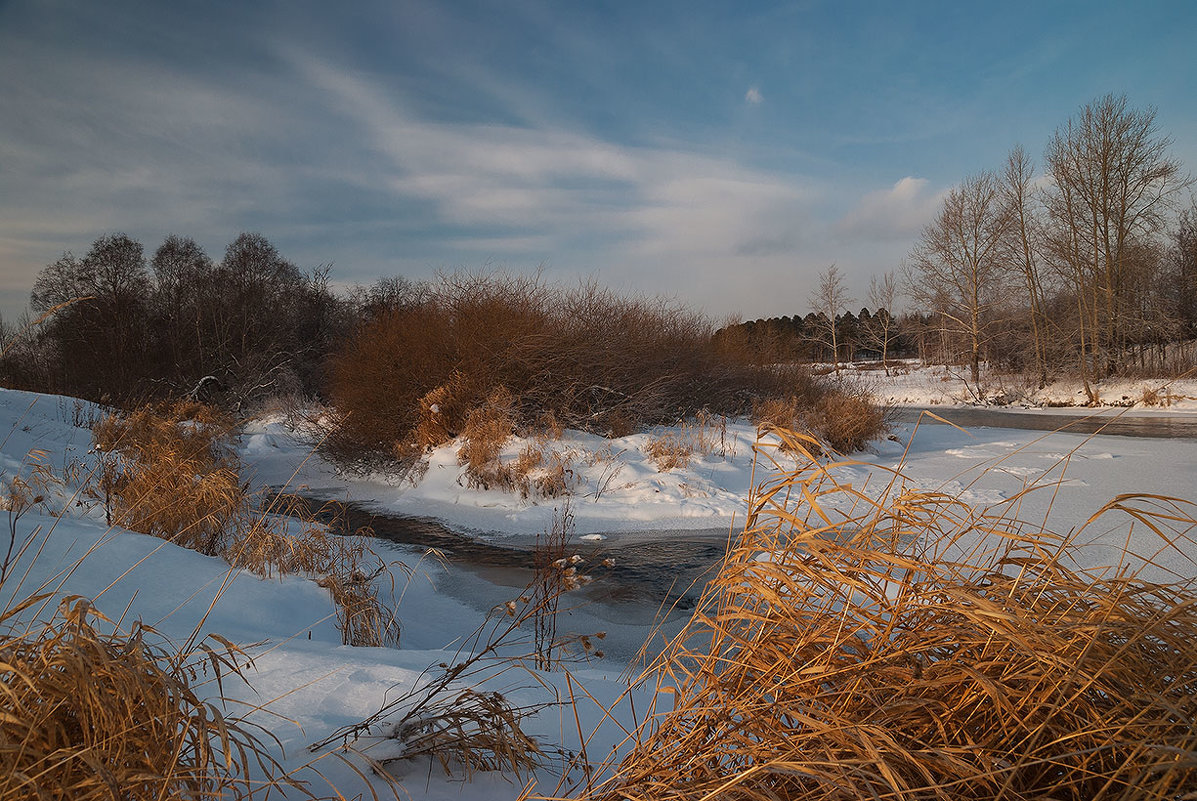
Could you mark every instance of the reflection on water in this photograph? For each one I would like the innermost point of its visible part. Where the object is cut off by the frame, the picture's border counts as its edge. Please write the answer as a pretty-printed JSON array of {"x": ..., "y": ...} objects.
[
  {"x": 668, "y": 573},
  {"x": 1105, "y": 422}
]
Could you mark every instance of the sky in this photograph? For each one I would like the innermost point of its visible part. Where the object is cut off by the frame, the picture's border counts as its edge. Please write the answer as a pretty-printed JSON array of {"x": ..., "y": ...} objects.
[{"x": 721, "y": 153}]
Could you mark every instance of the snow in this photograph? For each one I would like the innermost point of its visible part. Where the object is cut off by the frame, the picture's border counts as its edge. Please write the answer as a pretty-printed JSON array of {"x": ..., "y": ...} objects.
[
  {"x": 616, "y": 487},
  {"x": 928, "y": 386},
  {"x": 311, "y": 684}
]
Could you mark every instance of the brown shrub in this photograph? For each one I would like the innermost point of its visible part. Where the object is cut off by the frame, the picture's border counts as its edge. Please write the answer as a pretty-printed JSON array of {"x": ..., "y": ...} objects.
[
  {"x": 847, "y": 419},
  {"x": 842, "y": 417},
  {"x": 584, "y": 358}
]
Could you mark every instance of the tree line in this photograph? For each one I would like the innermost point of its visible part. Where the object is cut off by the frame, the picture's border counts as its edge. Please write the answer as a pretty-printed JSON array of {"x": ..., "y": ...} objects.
[
  {"x": 118, "y": 327},
  {"x": 1089, "y": 267}
]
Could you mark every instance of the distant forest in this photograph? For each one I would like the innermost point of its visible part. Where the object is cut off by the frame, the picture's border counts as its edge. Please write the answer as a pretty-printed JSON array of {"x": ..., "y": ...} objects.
[{"x": 859, "y": 336}]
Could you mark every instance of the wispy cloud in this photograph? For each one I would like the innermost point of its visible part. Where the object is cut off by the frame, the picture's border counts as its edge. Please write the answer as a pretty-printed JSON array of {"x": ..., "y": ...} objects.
[
  {"x": 897, "y": 213},
  {"x": 679, "y": 212},
  {"x": 753, "y": 96}
]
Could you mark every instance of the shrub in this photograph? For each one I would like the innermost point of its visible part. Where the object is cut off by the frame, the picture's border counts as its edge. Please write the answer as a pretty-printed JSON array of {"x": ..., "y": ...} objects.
[
  {"x": 584, "y": 358},
  {"x": 843, "y": 418}
]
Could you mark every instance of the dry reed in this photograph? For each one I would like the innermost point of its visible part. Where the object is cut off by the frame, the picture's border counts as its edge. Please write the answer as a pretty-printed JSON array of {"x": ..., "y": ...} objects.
[
  {"x": 170, "y": 472},
  {"x": 92, "y": 715},
  {"x": 913, "y": 647}
]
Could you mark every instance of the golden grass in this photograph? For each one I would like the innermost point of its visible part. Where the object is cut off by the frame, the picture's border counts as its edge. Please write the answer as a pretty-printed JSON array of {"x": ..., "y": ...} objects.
[
  {"x": 704, "y": 434},
  {"x": 669, "y": 451},
  {"x": 913, "y": 647},
  {"x": 92, "y": 715},
  {"x": 486, "y": 431},
  {"x": 170, "y": 473},
  {"x": 843, "y": 418}
]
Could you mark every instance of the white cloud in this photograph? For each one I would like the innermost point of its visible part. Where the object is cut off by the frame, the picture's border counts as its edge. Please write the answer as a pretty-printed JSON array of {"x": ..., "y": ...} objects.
[
  {"x": 650, "y": 204},
  {"x": 899, "y": 212},
  {"x": 753, "y": 96}
]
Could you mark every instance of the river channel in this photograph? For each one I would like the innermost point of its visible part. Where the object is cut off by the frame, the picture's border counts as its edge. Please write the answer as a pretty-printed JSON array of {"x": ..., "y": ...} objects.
[
  {"x": 1112, "y": 422},
  {"x": 652, "y": 583},
  {"x": 656, "y": 581}
]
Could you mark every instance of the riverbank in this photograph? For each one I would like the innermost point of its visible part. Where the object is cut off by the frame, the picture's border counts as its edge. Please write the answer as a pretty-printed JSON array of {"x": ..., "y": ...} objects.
[
  {"x": 912, "y": 384},
  {"x": 1051, "y": 477}
]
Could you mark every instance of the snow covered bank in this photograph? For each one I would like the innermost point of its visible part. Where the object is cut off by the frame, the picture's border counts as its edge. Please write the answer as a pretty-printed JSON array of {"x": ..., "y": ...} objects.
[
  {"x": 615, "y": 486},
  {"x": 913, "y": 385},
  {"x": 1076, "y": 473},
  {"x": 313, "y": 685}
]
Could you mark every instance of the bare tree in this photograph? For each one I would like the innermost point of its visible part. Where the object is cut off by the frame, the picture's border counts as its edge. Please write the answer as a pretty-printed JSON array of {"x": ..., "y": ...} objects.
[
  {"x": 1023, "y": 249},
  {"x": 829, "y": 300},
  {"x": 883, "y": 293},
  {"x": 956, "y": 268},
  {"x": 1114, "y": 185},
  {"x": 1183, "y": 263},
  {"x": 99, "y": 344}
]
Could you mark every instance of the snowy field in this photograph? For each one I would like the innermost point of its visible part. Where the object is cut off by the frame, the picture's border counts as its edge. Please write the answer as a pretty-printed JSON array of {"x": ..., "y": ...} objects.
[
  {"x": 311, "y": 684},
  {"x": 912, "y": 385}
]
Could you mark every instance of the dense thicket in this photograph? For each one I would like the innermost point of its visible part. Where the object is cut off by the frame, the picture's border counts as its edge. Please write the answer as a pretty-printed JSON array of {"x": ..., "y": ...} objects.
[
  {"x": 120, "y": 329},
  {"x": 427, "y": 356}
]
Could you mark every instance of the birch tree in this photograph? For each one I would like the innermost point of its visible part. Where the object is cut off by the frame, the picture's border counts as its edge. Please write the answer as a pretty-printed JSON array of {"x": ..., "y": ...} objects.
[
  {"x": 956, "y": 268},
  {"x": 1023, "y": 250},
  {"x": 1114, "y": 185},
  {"x": 829, "y": 300},
  {"x": 883, "y": 293}
]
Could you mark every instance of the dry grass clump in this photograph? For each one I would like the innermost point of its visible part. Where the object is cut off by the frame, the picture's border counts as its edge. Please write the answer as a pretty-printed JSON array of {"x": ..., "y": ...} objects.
[
  {"x": 471, "y": 731},
  {"x": 1158, "y": 396},
  {"x": 537, "y": 471},
  {"x": 172, "y": 475},
  {"x": 669, "y": 451},
  {"x": 704, "y": 434},
  {"x": 486, "y": 431},
  {"x": 843, "y": 418},
  {"x": 914, "y": 647},
  {"x": 92, "y": 715}
]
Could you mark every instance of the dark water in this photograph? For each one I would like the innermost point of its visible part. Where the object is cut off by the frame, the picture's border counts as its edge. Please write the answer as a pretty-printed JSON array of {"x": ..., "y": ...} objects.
[
  {"x": 1107, "y": 422},
  {"x": 668, "y": 572}
]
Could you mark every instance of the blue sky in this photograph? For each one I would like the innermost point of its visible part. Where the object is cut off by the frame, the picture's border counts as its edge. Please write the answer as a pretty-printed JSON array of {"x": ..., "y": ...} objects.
[{"x": 724, "y": 153}]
